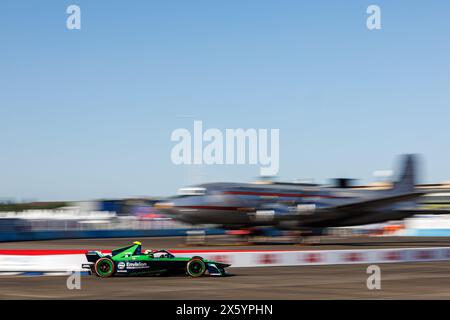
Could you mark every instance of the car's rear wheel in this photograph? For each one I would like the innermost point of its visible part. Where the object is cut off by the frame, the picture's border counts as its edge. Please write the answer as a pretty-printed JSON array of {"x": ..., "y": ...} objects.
[
  {"x": 196, "y": 267},
  {"x": 104, "y": 267}
]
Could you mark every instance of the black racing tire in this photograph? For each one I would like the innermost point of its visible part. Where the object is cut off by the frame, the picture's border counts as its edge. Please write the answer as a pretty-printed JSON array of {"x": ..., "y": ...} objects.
[
  {"x": 104, "y": 268},
  {"x": 196, "y": 267}
]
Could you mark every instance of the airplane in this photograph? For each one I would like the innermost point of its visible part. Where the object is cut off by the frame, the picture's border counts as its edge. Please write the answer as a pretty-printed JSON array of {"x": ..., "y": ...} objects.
[{"x": 292, "y": 206}]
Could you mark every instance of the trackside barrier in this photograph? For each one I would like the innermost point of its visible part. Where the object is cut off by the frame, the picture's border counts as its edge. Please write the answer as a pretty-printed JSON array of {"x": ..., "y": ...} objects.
[
  {"x": 88, "y": 234},
  {"x": 330, "y": 257},
  {"x": 71, "y": 260}
]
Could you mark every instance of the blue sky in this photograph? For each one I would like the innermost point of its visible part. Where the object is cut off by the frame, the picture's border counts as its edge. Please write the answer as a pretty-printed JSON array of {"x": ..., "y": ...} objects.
[{"x": 88, "y": 113}]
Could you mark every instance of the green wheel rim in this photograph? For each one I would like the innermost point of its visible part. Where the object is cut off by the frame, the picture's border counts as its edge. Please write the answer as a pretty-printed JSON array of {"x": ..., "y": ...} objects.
[
  {"x": 105, "y": 267},
  {"x": 197, "y": 267}
]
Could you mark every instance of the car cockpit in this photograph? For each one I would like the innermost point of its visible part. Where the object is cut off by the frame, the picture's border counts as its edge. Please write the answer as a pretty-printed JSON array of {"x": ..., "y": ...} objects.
[{"x": 159, "y": 254}]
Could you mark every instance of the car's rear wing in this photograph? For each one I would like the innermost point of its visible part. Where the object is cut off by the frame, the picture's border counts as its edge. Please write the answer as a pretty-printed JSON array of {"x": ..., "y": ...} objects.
[{"x": 93, "y": 256}]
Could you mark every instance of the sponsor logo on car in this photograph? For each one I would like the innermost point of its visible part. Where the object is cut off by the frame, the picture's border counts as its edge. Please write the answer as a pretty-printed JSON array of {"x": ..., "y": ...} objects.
[
  {"x": 121, "y": 265},
  {"x": 136, "y": 265}
]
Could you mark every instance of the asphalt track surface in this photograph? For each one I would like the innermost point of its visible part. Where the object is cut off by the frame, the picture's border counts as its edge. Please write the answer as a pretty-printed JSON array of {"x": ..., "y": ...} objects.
[
  {"x": 398, "y": 281},
  {"x": 429, "y": 280}
]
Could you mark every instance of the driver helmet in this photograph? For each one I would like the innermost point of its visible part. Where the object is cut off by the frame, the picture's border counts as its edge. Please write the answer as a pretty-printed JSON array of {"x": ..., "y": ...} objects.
[{"x": 149, "y": 252}]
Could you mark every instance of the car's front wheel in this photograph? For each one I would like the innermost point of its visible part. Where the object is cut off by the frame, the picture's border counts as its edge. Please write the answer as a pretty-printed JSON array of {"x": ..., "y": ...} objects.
[
  {"x": 196, "y": 267},
  {"x": 104, "y": 267}
]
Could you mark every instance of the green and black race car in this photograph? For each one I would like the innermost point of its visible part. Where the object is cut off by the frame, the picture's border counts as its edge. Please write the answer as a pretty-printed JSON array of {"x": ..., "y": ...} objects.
[{"x": 131, "y": 261}]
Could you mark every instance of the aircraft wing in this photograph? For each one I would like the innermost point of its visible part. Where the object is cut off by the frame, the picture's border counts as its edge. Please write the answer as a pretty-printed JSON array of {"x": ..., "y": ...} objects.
[
  {"x": 381, "y": 216},
  {"x": 377, "y": 202},
  {"x": 360, "y": 212},
  {"x": 414, "y": 211}
]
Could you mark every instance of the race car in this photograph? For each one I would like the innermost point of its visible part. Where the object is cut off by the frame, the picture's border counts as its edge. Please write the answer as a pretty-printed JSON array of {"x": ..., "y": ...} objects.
[{"x": 131, "y": 261}]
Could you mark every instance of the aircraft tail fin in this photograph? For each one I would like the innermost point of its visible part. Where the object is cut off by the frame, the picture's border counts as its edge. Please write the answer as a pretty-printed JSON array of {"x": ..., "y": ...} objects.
[{"x": 407, "y": 179}]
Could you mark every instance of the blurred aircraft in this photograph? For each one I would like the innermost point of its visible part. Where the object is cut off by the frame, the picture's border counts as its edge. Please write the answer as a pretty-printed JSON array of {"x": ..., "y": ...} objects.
[{"x": 295, "y": 206}]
